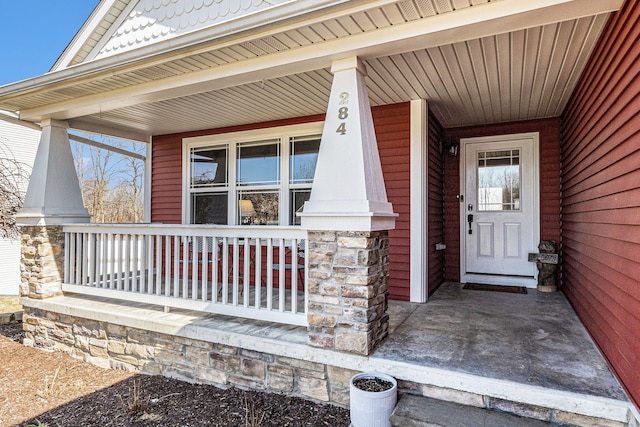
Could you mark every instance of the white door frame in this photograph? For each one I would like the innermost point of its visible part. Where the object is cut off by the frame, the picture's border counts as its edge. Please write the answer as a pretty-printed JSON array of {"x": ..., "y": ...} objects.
[{"x": 504, "y": 280}]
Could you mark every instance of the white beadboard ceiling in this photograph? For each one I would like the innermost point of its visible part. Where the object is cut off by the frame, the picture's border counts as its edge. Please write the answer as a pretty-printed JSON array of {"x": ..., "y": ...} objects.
[{"x": 523, "y": 74}]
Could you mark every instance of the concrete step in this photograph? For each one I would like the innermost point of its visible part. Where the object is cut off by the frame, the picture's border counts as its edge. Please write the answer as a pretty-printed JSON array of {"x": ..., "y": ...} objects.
[{"x": 417, "y": 411}]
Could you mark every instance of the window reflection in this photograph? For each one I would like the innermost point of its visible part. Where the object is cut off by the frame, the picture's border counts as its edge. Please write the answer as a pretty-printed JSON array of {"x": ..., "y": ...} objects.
[
  {"x": 499, "y": 180},
  {"x": 209, "y": 208},
  {"x": 303, "y": 157},
  {"x": 208, "y": 167},
  {"x": 258, "y": 207},
  {"x": 259, "y": 163}
]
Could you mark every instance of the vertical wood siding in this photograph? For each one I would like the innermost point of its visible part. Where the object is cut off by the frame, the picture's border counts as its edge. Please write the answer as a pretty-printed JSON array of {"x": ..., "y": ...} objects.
[
  {"x": 549, "y": 183},
  {"x": 601, "y": 196},
  {"x": 436, "y": 205},
  {"x": 392, "y": 131}
]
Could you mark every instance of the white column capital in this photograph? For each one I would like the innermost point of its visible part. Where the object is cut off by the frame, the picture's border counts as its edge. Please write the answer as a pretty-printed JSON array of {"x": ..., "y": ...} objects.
[
  {"x": 349, "y": 64},
  {"x": 54, "y": 123}
]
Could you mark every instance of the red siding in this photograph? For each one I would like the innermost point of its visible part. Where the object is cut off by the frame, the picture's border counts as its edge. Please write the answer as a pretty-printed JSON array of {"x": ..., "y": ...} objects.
[
  {"x": 549, "y": 183},
  {"x": 601, "y": 196},
  {"x": 392, "y": 131},
  {"x": 436, "y": 205}
]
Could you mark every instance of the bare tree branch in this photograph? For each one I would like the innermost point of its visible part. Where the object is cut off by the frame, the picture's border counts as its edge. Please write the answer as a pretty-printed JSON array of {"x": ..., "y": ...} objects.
[{"x": 14, "y": 178}]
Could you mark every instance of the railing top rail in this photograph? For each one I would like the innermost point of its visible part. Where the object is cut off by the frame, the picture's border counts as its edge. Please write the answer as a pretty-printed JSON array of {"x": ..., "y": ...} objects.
[{"x": 286, "y": 232}]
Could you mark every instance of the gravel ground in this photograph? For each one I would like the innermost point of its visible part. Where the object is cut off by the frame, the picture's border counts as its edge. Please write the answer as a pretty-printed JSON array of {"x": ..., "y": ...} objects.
[{"x": 54, "y": 389}]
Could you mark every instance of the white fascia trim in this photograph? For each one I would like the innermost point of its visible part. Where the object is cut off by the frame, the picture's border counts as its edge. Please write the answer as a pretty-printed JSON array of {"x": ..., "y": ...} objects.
[
  {"x": 418, "y": 167},
  {"x": 470, "y": 23},
  {"x": 83, "y": 34},
  {"x": 182, "y": 46}
]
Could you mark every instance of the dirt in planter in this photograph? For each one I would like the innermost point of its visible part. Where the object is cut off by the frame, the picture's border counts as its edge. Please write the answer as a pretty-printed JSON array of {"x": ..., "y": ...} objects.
[
  {"x": 372, "y": 384},
  {"x": 53, "y": 389}
]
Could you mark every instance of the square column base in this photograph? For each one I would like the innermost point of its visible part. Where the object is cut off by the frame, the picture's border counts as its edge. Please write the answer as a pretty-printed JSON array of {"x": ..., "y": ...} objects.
[
  {"x": 41, "y": 261},
  {"x": 348, "y": 290}
]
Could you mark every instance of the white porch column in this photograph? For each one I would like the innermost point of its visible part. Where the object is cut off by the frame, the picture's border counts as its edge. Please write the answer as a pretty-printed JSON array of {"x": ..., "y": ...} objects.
[
  {"x": 348, "y": 218},
  {"x": 53, "y": 198},
  {"x": 419, "y": 270},
  {"x": 348, "y": 188}
]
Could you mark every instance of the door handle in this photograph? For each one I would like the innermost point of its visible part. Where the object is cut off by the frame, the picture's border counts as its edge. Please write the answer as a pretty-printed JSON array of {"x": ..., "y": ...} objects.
[{"x": 470, "y": 220}]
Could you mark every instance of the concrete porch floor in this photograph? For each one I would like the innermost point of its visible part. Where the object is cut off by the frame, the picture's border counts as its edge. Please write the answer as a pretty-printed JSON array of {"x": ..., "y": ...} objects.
[
  {"x": 524, "y": 354},
  {"x": 528, "y": 348}
]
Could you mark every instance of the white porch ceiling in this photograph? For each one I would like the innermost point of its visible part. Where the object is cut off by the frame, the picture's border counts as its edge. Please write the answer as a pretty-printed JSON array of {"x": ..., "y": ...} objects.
[
  {"x": 523, "y": 75},
  {"x": 515, "y": 64}
]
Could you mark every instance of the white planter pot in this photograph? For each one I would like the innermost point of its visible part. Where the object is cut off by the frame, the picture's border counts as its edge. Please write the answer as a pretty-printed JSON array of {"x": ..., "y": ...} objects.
[{"x": 372, "y": 409}]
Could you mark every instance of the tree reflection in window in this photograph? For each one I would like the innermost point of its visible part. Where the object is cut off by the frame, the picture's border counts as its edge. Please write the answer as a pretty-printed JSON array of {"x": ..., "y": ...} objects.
[{"x": 499, "y": 180}]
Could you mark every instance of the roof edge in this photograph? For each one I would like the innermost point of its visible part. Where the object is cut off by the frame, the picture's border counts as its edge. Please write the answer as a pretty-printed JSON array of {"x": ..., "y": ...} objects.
[{"x": 83, "y": 34}]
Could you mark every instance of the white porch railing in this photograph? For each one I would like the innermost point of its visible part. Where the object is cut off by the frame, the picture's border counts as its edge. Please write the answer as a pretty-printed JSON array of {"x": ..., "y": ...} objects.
[{"x": 252, "y": 272}]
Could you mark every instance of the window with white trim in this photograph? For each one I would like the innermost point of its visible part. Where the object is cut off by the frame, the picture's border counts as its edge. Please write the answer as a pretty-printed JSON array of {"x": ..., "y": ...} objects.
[{"x": 260, "y": 177}]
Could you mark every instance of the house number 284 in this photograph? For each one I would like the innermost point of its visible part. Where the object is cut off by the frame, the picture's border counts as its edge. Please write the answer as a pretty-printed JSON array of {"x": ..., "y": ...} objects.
[{"x": 343, "y": 112}]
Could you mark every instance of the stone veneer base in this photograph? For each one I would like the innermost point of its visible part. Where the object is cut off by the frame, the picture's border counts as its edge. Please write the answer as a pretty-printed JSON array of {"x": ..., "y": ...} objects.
[{"x": 226, "y": 351}]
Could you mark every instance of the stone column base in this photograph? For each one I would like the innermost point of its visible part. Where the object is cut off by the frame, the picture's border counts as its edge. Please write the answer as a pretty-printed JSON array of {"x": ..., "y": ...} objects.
[
  {"x": 348, "y": 290},
  {"x": 41, "y": 261}
]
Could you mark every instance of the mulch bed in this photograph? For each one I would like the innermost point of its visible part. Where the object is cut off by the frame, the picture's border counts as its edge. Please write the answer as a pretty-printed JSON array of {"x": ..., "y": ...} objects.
[{"x": 58, "y": 390}]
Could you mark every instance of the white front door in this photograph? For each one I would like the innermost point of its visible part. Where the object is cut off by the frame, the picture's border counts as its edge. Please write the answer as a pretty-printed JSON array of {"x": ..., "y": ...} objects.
[{"x": 500, "y": 209}]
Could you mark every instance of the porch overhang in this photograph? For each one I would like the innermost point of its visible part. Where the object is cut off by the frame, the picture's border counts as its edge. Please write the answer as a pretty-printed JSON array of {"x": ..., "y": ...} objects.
[{"x": 455, "y": 59}]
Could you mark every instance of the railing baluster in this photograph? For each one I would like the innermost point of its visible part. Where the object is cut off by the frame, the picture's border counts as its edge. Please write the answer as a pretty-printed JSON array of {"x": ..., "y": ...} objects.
[
  {"x": 257, "y": 266},
  {"x": 270, "y": 273},
  {"x": 158, "y": 264},
  {"x": 150, "y": 265},
  {"x": 90, "y": 259},
  {"x": 215, "y": 262},
  {"x": 112, "y": 265},
  {"x": 105, "y": 257},
  {"x": 205, "y": 268},
  {"x": 142, "y": 262},
  {"x": 120, "y": 261},
  {"x": 294, "y": 275},
  {"x": 225, "y": 270},
  {"x": 67, "y": 256},
  {"x": 135, "y": 262},
  {"x": 236, "y": 270},
  {"x": 176, "y": 266},
  {"x": 194, "y": 267},
  {"x": 167, "y": 265},
  {"x": 126, "y": 241},
  {"x": 85, "y": 269},
  {"x": 281, "y": 276},
  {"x": 247, "y": 271},
  {"x": 185, "y": 267}
]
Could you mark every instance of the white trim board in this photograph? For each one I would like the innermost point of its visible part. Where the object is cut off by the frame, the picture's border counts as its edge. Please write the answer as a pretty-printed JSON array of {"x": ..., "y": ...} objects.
[{"x": 418, "y": 160}]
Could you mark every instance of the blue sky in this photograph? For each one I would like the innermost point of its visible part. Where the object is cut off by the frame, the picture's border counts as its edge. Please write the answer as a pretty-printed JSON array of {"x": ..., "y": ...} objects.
[{"x": 33, "y": 34}]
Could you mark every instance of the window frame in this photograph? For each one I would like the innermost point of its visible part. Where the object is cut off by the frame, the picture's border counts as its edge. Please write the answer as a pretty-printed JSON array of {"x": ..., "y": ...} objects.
[{"x": 232, "y": 140}]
